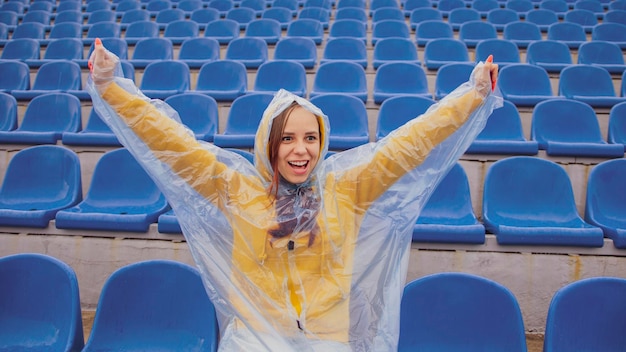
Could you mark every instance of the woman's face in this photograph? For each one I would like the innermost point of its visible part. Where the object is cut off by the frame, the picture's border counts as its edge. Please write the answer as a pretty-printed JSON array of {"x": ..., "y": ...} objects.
[{"x": 300, "y": 146}]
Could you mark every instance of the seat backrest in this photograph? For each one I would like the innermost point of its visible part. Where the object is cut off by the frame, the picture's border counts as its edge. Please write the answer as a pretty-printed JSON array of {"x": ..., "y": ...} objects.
[
  {"x": 477, "y": 30},
  {"x": 420, "y": 15},
  {"x": 617, "y": 124},
  {"x": 395, "y": 49},
  {"x": 452, "y": 310},
  {"x": 606, "y": 198},
  {"x": 222, "y": 28},
  {"x": 587, "y": 315},
  {"x": 396, "y": 111},
  {"x": 199, "y": 48},
  {"x": 566, "y": 31},
  {"x": 584, "y": 18},
  {"x": 242, "y": 15},
  {"x": 14, "y": 75},
  {"x": 64, "y": 49},
  {"x": 104, "y": 30},
  {"x": 615, "y": 16},
  {"x": 585, "y": 80},
  {"x": 348, "y": 28},
  {"x": 245, "y": 113},
  {"x": 153, "y": 49},
  {"x": 158, "y": 5},
  {"x": 166, "y": 75},
  {"x": 548, "y": 51},
  {"x": 306, "y": 27},
  {"x": 142, "y": 29},
  {"x": 589, "y": 5},
  {"x": 21, "y": 49},
  {"x": 222, "y": 75},
  {"x": 557, "y": 6},
  {"x": 521, "y": 30},
  {"x": 66, "y": 30},
  {"x": 500, "y": 17},
  {"x": 58, "y": 75},
  {"x": 401, "y": 78},
  {"x": 154, "y": 305},
  {"x": 387, "y": 13},
  {"x": 52, "y": 112},
  {"x": 388, "y": 29},
  {"x": 264, "y": 27},
  {"x": 294, "y": 48},
  {"x": 135, "y": 15},
  {"x": 203, "y": 16},
  {"x": 8, "y": 111},
  {"x": 505, "y": 50},
  {"x": 600, "y": 52},
  {"x": 102, "y": 16},
  {"x": 197, "y": 111},
  {"x": 40, "y": 304},
  {"x": 8, "y": 17},
  {"x": 345, "y": 48},
  {"x": 351, "y": 13},
  {"x": 524, "y": 79},
  {"x": 462, "y": 14},
  {"x": 450, "y": 76},
  {"x": 189, "y": 5},
  {"x": 340, "y": 76},
  {"x": 564, "y": 120},
  {"x": 124, "y": 6},
  {"x": 37, "y": 16},
  {"x": 346, "y": 114},
  {"x": 446, "y": 49},
  {"x": 503, "y": 123},
  {"x": 541, "y": 17},
  {"x": 181, "y": 29},
  {"x": 432, "y": 29},
  {"x": 42, "y": 177},
  {"x": 276, "y": 74},
  {"x": 169, "y": 15}
]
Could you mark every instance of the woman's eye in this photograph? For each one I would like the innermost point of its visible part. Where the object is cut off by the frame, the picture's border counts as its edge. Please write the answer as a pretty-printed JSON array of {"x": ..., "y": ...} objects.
[
  {"x": 312, "y": 138},
  {"x": 286, "y": 139}
]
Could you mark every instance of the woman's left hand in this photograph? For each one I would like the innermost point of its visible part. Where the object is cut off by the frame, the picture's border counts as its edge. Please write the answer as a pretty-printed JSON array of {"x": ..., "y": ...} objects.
[{"x": 486, "y": 76}]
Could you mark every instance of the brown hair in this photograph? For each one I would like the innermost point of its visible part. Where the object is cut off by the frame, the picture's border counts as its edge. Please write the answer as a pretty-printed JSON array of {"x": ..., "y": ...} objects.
[{"x": 273, "y": 143}]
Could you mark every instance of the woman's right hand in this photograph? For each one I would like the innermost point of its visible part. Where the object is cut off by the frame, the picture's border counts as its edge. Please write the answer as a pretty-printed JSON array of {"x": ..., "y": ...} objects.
[
  {"x": 485, "y": 76},
  {"x": 102, "y": 64}
]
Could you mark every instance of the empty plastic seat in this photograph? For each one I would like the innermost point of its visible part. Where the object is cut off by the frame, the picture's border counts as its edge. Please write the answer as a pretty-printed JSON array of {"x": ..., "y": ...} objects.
[
  {"x": 463, "y": 304},
  {"x": 39, "y": 181},
  {"x": 224, "y": 31},
  {"x": 348, "y": 28},
  {"x": 223, "y": 6},
  {"x": 250, "y": 51},
  {"x": 241, "y": 15},
  {"x": 195, "y": 52},
  {"x": 595, "y": 7},
  {"x": 299, "y": 49},
  {"x": 121, "y": 197},
  {"x": 617, "y": 5},
  {"x": 472, "y": 32},
  {"x": 40, "y": 304},
  {"x": 451, "y": 76},
  {"x": 399, "y": 78},
  {"x": 394, "y": 50},
  {"x": 522, "y": 7},
  {"x": 376, "y": 4},
  {"x": 348, "y": 118},
  {"x": 387, "y": 13},
  {"x": 139, "y": 30},
  {"x": 101, "y": 16},
  {"x": 569, "y": 33},
  {"x": 179, "y": 31},
  {"x": 37, "y": 16},
  {"x": 274, "y": 75},
  {"x": 13, "y": 6},
  {"x": 542, "y": 18},
  {"x": 283, "y": 15},
  {"x": 96, "y": 5},
  {"x": 95, "y": 133},
  {"x": 617, "y": 124},
  {"x": 446, "y": 6},
  {"x": 136, "y": 310},
  {"x": 132, "y": 16},
  {"x": 351, "y": 3},
  {"x": 162, "y": 79},
  {"x": 257, "y": 5},
  {"x": 396, "y": 111},
  {"x": 504, "y": 51},
  {"x": 615, "y": 16},
  {"x": 167, "y": 16},
  {"x": 448, "y": 216},
  {"x": 203, "y": 16},
  {"x": 389, "y": 29},
  {"x": 340, "y": 77},
  {"x": 552, "y": 55},
  {"x": 611, "y": 32},
  {"x": 569, "y": 127},
  {"x": 503, "y": 134},
  {"x": 264, "y": 28},
  {"x": 607, "y": 55},
  {"x": 32, "y": 30},
  {"x": 522, "y": 33},
  {"x": 590, "y": 84},
  {"x": 148, "y": 50},
  {"x": 484, "y": 6},
  {"x": 243, "y": 121},
  {"x": 316, "y": 13},
  {"x": 64, "y": 30},
  {"x": 462, "y": 15},
  {"x": 124, "y": 6},
  {"x": 14, "y": 75},
  {"x": 525, "y": 85},
  {"x": 21, "y": 49},
  {"x": 501, "y": 17},
  {"x": 345, "y": 49},
  {"x": 325, "y": 4},
  {"x": 155, "y": 6},
  {"x": 69, "y": 16},
  {"x": 8, "y": 112},
  {"x": 45, "y": 6},
  {"x": 102, "y": 30},
  {"x": 559, "y": 7},
  {"x": 587, "y": 315},
  {"x": 9, "y": 18},
  {"x": 424, "y": 14},
  {"x": 198, "y": 112},
  {"x": 292, "y": 5},
  {"x": 530, "y": 201},
  {"x": 432, "y": 29},
  {"x": 224, "y": 80},
  {"x": 56, "y": 75},
  {"x": 60, "y": 49},
  {"x": 306, "y": 27},
  {"x": 410, "y": 5},
  {"x": 439, "y": 52},
  {"x": 586, "y": 19}
]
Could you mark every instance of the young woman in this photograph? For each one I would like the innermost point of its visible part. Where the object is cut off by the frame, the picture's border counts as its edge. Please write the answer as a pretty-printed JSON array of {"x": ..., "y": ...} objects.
[{"x": 297, "y": 252}]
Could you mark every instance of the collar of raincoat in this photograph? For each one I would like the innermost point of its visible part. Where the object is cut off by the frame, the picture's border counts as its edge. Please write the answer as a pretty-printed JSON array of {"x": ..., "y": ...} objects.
[{"x": 282, "y": 100}]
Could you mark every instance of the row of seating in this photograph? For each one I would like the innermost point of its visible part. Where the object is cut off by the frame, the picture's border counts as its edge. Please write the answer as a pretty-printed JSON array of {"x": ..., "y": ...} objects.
[
  {"x": 43, "y": 183},
  {"x": 162, "y": 304}
]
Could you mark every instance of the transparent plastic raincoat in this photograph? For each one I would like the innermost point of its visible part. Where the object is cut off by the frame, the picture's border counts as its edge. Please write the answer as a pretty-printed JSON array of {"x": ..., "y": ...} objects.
[{"x": 333, "y": 284}]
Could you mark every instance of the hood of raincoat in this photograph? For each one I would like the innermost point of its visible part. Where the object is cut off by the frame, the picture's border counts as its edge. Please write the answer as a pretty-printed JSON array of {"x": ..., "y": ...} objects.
[{"x": 282, "y": 100}]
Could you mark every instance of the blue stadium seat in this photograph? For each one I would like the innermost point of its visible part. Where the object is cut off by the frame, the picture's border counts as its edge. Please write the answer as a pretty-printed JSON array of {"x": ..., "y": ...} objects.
[
  {"x": 60, "y": 49},
  {"x": 117, "y": 46},
  {"x": 291, "y": 5},
  {"x": 530, "y": 201},
  {"x": 14, "y": 75},
  {"x": 461, "y": 15},
  {"x": 611, "y": 32},
  {"x": 241, "y": 15},
  {"x": 348, "y": 28},
  {"x": 69, "y": 16},
  {"x": 420, "y": 15},
  {"x": 448, "y": 216},
  {"x": 250, "y": 51},
  {"x": 38, "y": 182},
  {"x": 306, "y": 27},
  {"x": 64, "y": 30},
  {"x": 439, "y": 52},
  {"x": 179, "y": 31},
  {"x": 472, "y": 32},
  {"x": 95, "y": 133},
  {"x": 243, "y": 120},
  {"x": 8, "y": 112},
  {"x": 396, "y": 111},
  {"x": 131, "y": 16},
  {"x": 542, "y": 18},
  {"x": 4, "y": 34},
  {"x": 347, "y": 117},
  {"x": 316, "y": 13},
  {"x": 340, "y": 77},
  {"x": 162, "y": 79},
  {"x": 148, "y": 50},
  {"x": 139, "y": 30},
  {"x": 484, "y": 6},
  {"x": 501, "y": 17},
  {"x": 522, "y": 7},
  {"x": 68, "y": 6},
  {"x": 585, "y": 18},
  {"x": 345, "y": 49},
  {"x": 100, "y": 16},
  {"x": 410, "y": 5},
  {"x": 450, "y": 76},
  {"x": 121, "y": 197},
  {"x": 44, "y": 6},
  {"x": 503, "y": 134},
  {"x": 593, "y": 6},
  {"x": 299, "y": 49},
  {"x": 617, "y": 5},
  {"x": 39, "y": 304},
  {"x": 559, "y": 7},
  {"x": 389, "y": 29},
  {"x": 325, "y": 4},
  {"x": 203, "y": 16},
  {"x": 224, "y": 31},
  {"x": 96, "y": 5},
  {"x": 283, "y": 15},
  {"x": 11, "y": 19},
  {"x": 223, "y": 6},
  {"x": 525, "y": 85},
  {"x": 445, "y": 6},
  {"x": 37, "y": 16},
  {"x": 607, "y": 55},
  {"x": 376, "y": 4},
  {"x": 394, "y": 50},
  {"x": 570, "y": 33},
  {"x": 428, "y": 30},
  {"x": 224, "y": 80},
  {"x": 400, "y": 78},
  {"x": 46, "y": 117},
  {"x": 154, "y": 6},
  {"x": 522, "y": 33},
  {"x": 167, "y": 16},
  {"x": 387, "y": 13},
  {"x": 615, "y": 16},
  {"x": 552, "y": 55},
  {"x": 273, "y": 75},
  {"x": 257, "y": 5},
  {"x": 605, "y": 205},
  {"x": 351, "y": 3},
  {"x": 452, "y": 310},
  {"x": 587, "y": 315},
  {"x": 504, "y": 51},
  {"x": 21, "y": 49},
  {"x": 264, "y": 28},
  {"x": 168, "y": 223},
  {"x": 590, "y": 84},
  {"x": 154, "y": 305},
  {"x": 198, "y": 112},
  {"x": 102, "y": 30},
  {"x": 55, "y": 76},
  {"x": 195, "y": 52},
  {"x": 617, "y": 124},
  {"x": 123, "y": 6},
  {"x": 570, "y": 127},
  {"x": 13, "y": 6}
]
